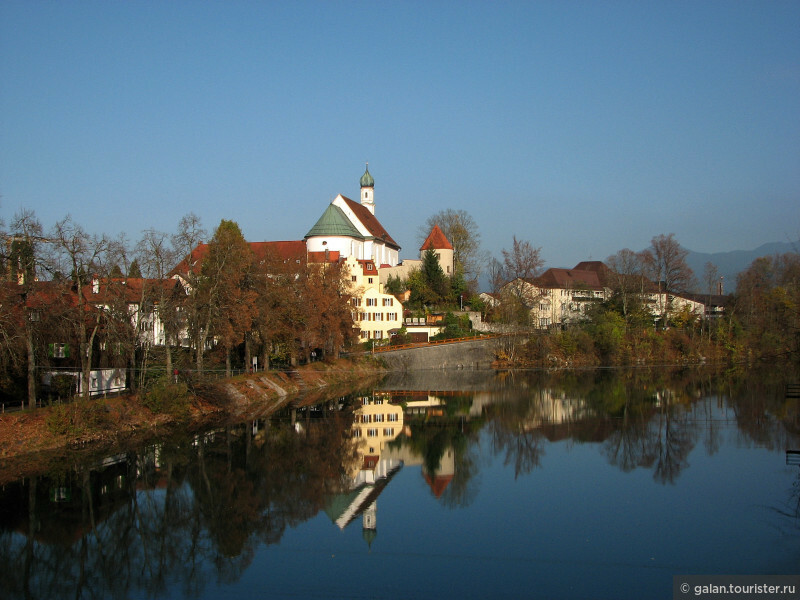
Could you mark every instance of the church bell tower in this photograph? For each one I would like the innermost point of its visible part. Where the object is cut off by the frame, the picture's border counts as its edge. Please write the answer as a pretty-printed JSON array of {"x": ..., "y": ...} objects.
[{"x": 368, "y": 191}]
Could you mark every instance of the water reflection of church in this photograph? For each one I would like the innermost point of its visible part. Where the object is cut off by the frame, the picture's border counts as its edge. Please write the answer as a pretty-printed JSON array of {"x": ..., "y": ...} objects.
[
  {"x": 376, "y": 423},
  {"x": 379, "y": 421}
]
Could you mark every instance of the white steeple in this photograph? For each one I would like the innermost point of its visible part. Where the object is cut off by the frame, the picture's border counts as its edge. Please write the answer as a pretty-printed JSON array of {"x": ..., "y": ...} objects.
[{"x": 368, "y": 191}]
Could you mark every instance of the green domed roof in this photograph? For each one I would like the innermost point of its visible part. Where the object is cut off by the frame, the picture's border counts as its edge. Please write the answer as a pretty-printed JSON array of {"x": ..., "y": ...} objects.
[
  {"x": 334, "y": 222},
  {"x": 366, "y": 179}
]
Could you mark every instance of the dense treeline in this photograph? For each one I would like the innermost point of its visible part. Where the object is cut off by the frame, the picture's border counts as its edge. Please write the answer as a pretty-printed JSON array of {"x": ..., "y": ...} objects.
[
  {"x": 76, "y": 301},
  {"x": 760, "y": 321}
]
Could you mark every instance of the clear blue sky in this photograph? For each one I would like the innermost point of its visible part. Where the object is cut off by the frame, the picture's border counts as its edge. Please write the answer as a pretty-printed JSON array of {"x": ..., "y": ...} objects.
[{"x": 582, "y": 127}]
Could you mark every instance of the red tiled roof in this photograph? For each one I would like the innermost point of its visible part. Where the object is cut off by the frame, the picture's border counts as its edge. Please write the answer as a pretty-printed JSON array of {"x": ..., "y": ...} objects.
[
  {"x": 324, "y": 256},
  {"x": 567, "y": 278},
  {"x": 597, "y": 266},
  {"x": 371, "y": 223},
  {"x": 131, "y": 289},
  {"x": 368, "y": 270},
  {"x": 437, "y": 240},
  {"x": 285, "y": 250},
  {"x": 38, "y": 294},
  {"x": 438, "y": 484}
]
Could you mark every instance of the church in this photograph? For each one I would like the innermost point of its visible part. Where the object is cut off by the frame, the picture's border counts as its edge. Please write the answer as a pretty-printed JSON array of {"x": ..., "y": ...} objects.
[{"x": 350, "y": 229}]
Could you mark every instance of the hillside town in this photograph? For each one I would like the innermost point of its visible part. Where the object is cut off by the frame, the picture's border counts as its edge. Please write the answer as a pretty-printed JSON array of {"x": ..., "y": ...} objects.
[{"x": 94, "y": 329}]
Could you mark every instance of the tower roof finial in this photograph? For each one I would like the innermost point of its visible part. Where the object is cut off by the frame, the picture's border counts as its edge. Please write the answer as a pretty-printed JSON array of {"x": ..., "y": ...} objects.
[{"x": 366, "y": 178}]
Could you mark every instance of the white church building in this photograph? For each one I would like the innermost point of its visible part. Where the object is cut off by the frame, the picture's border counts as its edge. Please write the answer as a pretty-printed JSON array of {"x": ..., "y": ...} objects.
[{"x": 351, "y": 229}]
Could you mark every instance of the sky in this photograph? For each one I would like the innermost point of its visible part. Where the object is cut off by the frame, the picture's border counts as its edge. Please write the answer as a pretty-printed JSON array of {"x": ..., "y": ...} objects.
[{"x": 581, "y": 127}]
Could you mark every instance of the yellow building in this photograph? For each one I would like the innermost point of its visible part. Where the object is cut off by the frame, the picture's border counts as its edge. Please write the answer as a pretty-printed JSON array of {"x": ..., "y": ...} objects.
[
  {"x": 375, "y": 313},
  {"x": 376, "y": 423}
]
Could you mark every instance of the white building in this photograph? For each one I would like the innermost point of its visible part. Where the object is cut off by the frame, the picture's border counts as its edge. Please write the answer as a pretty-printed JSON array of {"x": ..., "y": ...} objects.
[{"x": 350, "y": 228}]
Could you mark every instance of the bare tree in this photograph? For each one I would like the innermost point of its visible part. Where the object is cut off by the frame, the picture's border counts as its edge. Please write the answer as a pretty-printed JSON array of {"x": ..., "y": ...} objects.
[
  {"x": 497, "y": 275},
  {"x": 156, "y": 257},
  {"x": 521, "y": 265},
  {"x": 523, "y": 261},
  {"x": 186, "y": 240},
  {"x": 462, "y": 231},
  {"x": 23, "y": 264},
  {"x": 711, "y": 278},
  {"x": 669, "y": 265},
  {"x": 628, "y": 277},
  {"x": 84, "y": 256}
]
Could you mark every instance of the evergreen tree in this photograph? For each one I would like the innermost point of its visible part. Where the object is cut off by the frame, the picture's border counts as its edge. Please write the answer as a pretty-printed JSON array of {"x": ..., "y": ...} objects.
[
  {"x": 134, "y": 271},
  {"x": 434, "y": 276}
]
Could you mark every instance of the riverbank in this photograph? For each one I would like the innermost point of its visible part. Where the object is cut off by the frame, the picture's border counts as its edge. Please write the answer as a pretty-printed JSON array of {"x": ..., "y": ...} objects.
[{"x": 31, "y": 440}]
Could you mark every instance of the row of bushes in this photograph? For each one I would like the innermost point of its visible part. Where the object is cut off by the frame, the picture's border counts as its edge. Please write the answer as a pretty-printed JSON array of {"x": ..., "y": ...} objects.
[{"x": 606, "y": 341}]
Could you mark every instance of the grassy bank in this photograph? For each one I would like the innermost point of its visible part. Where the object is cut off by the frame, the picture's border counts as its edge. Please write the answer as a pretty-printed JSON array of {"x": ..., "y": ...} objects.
[{"x": 30, "y": 440}]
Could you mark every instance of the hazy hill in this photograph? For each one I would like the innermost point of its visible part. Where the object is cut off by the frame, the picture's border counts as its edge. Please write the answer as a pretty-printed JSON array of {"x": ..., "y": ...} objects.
[{"x": 729, "y": 264}]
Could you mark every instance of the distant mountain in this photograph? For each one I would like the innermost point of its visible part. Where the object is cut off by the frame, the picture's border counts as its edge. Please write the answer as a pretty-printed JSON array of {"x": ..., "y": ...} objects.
[{"x": 730, "y": 264}]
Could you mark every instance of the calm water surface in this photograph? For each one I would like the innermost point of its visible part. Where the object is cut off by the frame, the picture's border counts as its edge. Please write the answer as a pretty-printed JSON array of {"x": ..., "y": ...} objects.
[{"x": 589, "y": 484}]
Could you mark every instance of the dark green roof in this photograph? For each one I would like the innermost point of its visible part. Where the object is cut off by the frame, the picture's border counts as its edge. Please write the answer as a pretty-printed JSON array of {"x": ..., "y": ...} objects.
[
  {"x": 367, "y": 180},
  {"x": 334, "y": 222}
]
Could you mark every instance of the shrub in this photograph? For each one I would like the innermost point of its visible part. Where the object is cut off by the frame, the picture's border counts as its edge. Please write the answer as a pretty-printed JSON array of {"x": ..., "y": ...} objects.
[
  {"x": 168, "y": 398},
  {"x": 77, "y": 418}
]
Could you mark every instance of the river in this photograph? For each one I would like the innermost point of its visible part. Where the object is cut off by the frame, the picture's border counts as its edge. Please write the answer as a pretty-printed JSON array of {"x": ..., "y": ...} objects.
[{"x": 462, "y": 484}]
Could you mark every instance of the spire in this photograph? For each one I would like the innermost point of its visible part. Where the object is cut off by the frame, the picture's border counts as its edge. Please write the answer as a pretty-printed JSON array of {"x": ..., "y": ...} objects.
[
  {"x": 368, "y": 191},
  {"x": 366, "y": 178}
]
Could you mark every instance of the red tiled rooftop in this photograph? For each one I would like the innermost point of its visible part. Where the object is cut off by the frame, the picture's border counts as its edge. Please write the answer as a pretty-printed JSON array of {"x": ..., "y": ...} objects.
[
  {"x": 371, "y": 223},
  {"x": 437, "y": 240}
]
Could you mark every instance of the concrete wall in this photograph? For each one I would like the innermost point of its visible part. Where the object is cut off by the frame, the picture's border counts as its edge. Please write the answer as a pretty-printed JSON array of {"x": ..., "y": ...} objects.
[{"x": 462, "y": 355}]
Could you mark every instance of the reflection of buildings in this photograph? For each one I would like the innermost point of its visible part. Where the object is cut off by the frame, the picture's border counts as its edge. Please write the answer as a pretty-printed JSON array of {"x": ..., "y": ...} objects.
[
  {"x": 375, "y": 424},
  {"x": 438, "y": 479},
  {"x": 52, "y": 510},
  {"x": 428, "y": 406}
]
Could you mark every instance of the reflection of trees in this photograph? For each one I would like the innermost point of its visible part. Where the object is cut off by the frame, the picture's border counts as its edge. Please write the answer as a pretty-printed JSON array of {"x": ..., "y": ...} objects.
[
  {"x": 464, "y": 486},
  {"x": 764, "y": 415},
  {"x": 673, "y": 437},
  {"x": 523, "y": 448},
  {"x": 653, "y": 431},
  {"x": 167, "y": 516},
  {"x": 638, "y": 415},
  {"x": 513, "y": 431},
  {"x": 627, "y": 447},
  {"x": 432, "y": 439}
]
